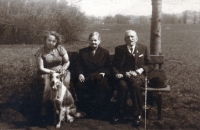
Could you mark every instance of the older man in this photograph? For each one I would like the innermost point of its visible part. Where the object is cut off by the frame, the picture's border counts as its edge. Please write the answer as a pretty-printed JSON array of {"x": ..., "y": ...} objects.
[{"x": 129, "y": 66}]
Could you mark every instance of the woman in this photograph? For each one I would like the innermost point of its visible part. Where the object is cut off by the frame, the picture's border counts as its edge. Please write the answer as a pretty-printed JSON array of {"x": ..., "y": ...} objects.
[
  {"x": 51, "y": 57},
  {"x": 93, "y": 70}
]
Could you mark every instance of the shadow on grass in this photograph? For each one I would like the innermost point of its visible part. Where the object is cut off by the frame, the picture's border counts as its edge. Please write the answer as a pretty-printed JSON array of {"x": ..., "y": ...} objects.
[{"x": 23, "y": 108}]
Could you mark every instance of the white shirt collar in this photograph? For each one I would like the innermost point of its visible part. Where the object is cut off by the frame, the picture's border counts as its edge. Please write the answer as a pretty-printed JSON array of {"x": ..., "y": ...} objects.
[{"x": 129, "y": 48}]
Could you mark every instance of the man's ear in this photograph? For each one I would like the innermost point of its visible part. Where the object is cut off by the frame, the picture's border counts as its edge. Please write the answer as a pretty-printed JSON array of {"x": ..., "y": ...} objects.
[{"x": 125, "y": 39}]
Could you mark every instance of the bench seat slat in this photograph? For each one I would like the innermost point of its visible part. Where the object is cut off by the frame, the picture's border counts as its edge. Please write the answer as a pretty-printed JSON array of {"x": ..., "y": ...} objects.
[
  {"x": 157, "y": 59},
  {"x": 166, "y": 89}
]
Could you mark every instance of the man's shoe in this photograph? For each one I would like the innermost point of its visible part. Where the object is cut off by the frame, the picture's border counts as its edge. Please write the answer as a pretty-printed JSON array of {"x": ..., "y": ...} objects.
[
  {"x": 118, "y": 120},
  {"x": 137, "y": 121},
  {"x": 115, "y": 121}
]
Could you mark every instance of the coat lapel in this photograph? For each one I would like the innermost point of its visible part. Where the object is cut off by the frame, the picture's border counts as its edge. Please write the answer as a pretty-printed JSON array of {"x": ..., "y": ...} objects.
[
  {"x": 89, "y": 56},
  {"x": 99, "y": 55},
  {"x": 125, "y": 49}
]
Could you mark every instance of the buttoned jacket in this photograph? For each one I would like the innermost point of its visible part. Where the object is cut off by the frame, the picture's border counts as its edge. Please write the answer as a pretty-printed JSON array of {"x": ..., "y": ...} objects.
[
  {"x": 124, "y": 61},
  {"x": 88, "y": 64}
]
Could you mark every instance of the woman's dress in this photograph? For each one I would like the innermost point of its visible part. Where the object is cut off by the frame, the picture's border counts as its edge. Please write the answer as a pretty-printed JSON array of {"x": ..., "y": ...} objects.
[{"x": 54, "y": 61}]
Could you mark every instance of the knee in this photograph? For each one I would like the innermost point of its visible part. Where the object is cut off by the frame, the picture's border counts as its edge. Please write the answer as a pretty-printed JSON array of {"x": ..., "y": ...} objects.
[
  {"x": 105, "y": 83},
  {"x": 97, "y": 77},
  {"x": 123, "y": 88},
  {"x": 135, "y": 85},
  {"x": 94, "y": 78}
]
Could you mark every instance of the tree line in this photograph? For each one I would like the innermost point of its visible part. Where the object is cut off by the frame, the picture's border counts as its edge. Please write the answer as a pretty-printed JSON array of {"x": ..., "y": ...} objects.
[
  {"x": 26, "y": 20},
  {"x": 186, "y": 17}
]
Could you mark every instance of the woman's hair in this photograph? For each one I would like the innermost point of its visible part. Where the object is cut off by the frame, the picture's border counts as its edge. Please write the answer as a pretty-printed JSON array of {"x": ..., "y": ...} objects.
[
  {"x": 94, "y": 34},
  {"x": 57, "y": 36}
]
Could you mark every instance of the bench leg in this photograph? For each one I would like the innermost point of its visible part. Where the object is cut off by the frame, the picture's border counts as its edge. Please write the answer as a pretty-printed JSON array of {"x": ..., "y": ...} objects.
[{"x": 159, "y": 106}]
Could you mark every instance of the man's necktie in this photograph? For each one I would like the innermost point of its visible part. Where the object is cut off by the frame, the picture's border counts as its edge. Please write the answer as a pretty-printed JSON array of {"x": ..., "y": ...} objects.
[{"x": 131, "y": 50}]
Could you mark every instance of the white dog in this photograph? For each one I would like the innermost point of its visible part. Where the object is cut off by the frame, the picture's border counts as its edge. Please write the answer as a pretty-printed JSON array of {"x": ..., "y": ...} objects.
[{"x": 63, "y": 102}]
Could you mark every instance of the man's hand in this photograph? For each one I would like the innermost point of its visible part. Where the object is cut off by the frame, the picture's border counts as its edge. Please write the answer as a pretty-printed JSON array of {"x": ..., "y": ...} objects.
[
  {"x": 133, "y": 73},
  {"x": 81, "y": 78},
  {"x": 103, "y": 74},
  {"x": 119, "y": 76},
  {"x": 140, "y": 70},
  {"x": 128, "y": 74}
]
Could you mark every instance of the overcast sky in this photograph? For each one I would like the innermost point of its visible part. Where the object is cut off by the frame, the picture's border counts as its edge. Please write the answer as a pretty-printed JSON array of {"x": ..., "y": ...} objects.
[{"x": 133, "y": 7}]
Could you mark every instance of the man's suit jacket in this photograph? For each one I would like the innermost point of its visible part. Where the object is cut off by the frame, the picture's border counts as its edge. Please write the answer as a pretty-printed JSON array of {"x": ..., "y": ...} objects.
[
  {"x": 124, "y": 61},
  {"x": 88, "y": 64}
]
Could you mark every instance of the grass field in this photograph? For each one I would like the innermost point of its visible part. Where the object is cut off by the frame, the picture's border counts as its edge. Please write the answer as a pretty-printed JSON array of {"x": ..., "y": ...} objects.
[{"x": 180, "y": 45}]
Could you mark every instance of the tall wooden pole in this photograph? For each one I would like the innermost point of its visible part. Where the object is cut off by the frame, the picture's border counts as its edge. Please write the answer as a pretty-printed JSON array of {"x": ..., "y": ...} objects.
[{"x": 155, "y": 43}]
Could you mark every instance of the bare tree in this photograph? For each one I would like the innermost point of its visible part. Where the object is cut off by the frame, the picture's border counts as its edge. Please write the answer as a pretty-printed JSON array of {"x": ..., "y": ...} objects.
[{"x": 155, "y": 44}]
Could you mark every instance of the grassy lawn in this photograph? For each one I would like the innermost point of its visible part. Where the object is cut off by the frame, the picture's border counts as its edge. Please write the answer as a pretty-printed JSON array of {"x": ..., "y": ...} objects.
[{"x": 180, "y": 45}]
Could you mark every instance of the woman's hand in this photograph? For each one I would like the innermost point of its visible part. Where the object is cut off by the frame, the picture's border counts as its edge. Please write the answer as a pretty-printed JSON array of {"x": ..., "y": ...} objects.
[
  {"x": 102, "y": 74},
  {"x": 119, "y": 76},
  {"x": 128, "y": 74},
  {"x": 81, "y": 78},
  {"x": 61, "y": 71}
]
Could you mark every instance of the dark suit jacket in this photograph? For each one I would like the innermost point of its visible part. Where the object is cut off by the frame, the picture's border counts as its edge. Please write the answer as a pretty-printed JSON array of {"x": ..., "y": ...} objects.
[
  {"x": 88, "y": 64},
  {"x": 124, "y": 61}
]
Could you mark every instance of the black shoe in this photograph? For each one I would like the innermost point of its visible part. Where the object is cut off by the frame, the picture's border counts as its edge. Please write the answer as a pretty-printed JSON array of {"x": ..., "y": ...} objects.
[
  {"x": 115, "y": 121},
  {"x": 118, "y": 120},
  {"x": 137, "y": 121}
]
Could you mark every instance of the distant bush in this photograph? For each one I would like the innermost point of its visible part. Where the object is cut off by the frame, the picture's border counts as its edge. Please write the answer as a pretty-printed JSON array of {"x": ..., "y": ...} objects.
[
  {"x": 35, "y": 16},
  {"x": 118, "y": 18}
]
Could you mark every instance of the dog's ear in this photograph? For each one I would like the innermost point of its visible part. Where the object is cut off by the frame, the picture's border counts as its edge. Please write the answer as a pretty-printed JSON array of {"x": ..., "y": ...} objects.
[{"x": 61, "y": 77}]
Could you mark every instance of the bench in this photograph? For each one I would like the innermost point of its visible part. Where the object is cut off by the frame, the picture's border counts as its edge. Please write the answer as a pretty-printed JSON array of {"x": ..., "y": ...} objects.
[{"x": 157, "y": 62}]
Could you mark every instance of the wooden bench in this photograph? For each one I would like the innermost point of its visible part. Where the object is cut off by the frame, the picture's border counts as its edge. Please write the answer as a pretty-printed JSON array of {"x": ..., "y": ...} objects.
[{"x": 157, "y": 61}]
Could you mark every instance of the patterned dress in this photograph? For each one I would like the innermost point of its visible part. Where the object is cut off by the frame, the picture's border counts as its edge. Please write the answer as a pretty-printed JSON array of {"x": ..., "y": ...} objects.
[{"x": 53, "y": 61}]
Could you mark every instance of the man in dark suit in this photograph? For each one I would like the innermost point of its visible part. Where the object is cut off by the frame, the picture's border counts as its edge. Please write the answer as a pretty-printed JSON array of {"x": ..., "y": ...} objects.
[
  {"x": 129, "y": 66},
  {"x": 93, "y": 67}
]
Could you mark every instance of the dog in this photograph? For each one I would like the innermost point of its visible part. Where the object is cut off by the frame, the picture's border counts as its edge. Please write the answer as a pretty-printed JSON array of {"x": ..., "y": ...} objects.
[{"x": 63, "y": 102}]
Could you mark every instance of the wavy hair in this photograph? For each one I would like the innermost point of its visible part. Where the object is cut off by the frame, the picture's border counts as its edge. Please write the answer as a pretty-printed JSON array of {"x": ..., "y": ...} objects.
[
  {"x": 128, "y": 31},
  {"x": 57, "y": 36}
]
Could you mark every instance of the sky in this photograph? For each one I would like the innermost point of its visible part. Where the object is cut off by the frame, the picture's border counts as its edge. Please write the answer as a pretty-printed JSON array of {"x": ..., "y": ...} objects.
[{"x": 132, "y": 7}]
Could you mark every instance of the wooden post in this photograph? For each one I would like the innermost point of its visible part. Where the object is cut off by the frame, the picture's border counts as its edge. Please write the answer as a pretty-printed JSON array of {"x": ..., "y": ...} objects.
[{"x": 155, "y": 43}]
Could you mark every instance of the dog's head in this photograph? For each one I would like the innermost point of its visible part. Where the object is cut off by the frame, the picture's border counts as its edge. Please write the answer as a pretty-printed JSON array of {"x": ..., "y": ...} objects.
[{"x": 56, "y": 80}]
